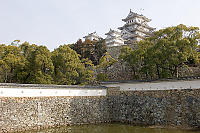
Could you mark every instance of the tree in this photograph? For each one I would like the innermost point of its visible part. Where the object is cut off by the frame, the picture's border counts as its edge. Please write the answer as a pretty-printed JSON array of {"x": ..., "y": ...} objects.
[
  {"x": 39, "y": 67},
  {"x": 87, "y": 75},
  {"x": 11, "y": 63},
  {"x": 36, "y": 64},
  {"x": 93, "y": 50},
  {"x": 15, "y": 43},
  {"x": 163, "y": 54},
  {"x": 106, "y": 61},
  {"x": 99, "y": 50},
  {"x": 133, "y": 59},
  {"x": 177, "y": 45},
  {"x": 69, "y": 69}
]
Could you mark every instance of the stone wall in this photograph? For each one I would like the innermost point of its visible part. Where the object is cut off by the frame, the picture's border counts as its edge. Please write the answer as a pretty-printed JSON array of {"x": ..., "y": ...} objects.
[
  {"x": 190, "y": 72},
  {"x": 162, "y": 108},
  {"x": 119, "y": 71},
  {"x": 115, "y": 50},
  {"x": 18, "y": 114},
  {"x": 29, "y": 107},
  {"x": 166, "y": 108}
]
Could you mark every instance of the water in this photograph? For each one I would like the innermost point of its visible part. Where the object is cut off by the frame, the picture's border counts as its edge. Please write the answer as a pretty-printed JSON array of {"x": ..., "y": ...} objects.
[{"x": 109, "y": 128}]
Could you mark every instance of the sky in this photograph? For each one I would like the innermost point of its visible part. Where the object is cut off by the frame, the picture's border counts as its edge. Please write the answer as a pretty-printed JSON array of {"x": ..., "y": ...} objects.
[{"x": 57, "y": 22}]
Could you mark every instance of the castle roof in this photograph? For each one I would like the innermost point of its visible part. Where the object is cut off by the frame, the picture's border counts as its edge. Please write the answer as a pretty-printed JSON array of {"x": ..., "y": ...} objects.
[
  {"x": 113, "y": 31},
  {"x": 93, "y": 34},
  {"x": 139, "y": 24},
  {"x": 135, "y": 15}
]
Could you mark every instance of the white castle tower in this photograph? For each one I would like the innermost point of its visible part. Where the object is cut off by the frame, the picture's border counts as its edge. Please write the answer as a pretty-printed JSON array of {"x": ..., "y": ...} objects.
[
  {"x": 114, "y": 38},
  {"x": 92, "y": 36},
  {"x": 136, "y": 27}
]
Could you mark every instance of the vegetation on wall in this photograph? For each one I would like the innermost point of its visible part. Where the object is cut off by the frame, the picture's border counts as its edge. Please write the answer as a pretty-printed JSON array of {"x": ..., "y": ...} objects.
[{"x": 105, "y": 62}]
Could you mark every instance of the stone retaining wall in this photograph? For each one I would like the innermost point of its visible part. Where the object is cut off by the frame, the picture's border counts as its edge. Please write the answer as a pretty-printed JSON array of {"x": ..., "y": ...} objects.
[
  {"x": 165, "y": 108},
  {"x": 20, "y": 114},
  {"x": 119, "y": 70}
]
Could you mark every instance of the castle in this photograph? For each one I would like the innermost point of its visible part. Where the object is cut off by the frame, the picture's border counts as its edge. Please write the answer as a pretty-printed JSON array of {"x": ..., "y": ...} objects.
[
  {"x": 135, "y": 29},
  {"x": 92, "y": 36}
]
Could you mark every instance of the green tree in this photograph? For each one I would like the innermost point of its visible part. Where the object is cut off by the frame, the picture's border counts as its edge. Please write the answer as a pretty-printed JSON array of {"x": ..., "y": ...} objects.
[
  {"x": 105, "y": 62},
  {"x": 93, "y": 50},
  {"x": 133, "y": 59},
  {"x": 69, "y": 69},
  {"x": 163, "y": 54},
  {"x": 99, "y": 50},
  {"x": 39, "y": 67},
  {"x": 11, "y": 63}
]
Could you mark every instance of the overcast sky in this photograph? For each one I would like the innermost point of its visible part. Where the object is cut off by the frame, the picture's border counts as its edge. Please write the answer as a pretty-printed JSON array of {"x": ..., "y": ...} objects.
[{"x": 55, "y": 22}]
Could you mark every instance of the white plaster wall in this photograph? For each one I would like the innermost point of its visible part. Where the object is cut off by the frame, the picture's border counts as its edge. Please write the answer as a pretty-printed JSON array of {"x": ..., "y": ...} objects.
[
  {"x": 27, "y": 92},
  {"x": 90, "y": 38},
  {"x": 165, "y": 85}
]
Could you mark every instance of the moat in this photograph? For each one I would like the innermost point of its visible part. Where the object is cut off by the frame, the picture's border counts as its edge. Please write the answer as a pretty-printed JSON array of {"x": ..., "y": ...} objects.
[{"x": 109, "y": 128}]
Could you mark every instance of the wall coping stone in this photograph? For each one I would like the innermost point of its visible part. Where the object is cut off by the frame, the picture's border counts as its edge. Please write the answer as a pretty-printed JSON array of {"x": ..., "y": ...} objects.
[{"x": 49, "y": 86}]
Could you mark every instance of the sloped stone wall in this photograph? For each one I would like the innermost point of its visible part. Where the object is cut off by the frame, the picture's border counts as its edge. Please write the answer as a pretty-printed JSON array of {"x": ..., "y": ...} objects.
[
  {"x": 115, "y": 50},
  {"x": 190, "y": 72},
  {"x": 20, "y": 114},
  {"x": 164, "y": 108},
  {"x": 119, "y": 71}
]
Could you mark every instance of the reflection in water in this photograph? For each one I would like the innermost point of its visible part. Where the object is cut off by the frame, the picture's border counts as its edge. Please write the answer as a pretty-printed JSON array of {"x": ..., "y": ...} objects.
[{"x": 109, "y": 128}]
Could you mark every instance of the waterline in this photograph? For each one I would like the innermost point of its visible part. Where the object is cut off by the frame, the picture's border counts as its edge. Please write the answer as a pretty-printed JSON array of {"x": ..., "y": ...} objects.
[{"x": 109, "y": 128}]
